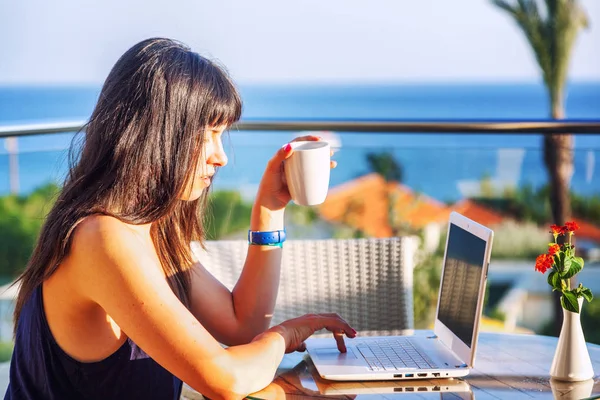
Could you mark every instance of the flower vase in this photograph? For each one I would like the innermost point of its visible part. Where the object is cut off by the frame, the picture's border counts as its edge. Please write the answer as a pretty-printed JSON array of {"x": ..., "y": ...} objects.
[{"x": 571, "y": 360}]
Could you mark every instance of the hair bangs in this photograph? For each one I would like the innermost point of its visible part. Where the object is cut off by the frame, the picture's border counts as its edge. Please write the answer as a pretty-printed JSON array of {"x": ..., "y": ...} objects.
[
  {"x": 225, "y": 110},
  {"x": 223, "y": 104}
]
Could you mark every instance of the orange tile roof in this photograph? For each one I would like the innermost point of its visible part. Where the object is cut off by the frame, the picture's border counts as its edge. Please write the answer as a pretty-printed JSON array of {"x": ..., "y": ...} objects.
[
  {"x": 478, "y": 213},
  {"x": 417, "y": 209},
  {"x": 360, "y": 203},
  {"x": 363, "y": 203},
  {"x": 587, "y": 230}
]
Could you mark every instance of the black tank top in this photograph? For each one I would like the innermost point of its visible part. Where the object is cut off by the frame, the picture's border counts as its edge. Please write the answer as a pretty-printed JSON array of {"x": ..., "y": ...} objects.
[{"x": 41, "y": 370}]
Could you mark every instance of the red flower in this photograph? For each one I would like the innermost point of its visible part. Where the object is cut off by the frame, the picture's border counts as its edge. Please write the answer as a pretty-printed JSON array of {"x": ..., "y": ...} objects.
[
  {"x": 556, "y": 230},
  {"x": 553, "y": 249},
  {"x": 571, "y": 226},
  {"x": 543, "y": 263}
]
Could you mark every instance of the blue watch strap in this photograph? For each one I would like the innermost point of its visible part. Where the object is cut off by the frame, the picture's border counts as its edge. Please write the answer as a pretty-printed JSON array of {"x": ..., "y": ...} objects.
[{"x": 266, "y": 238}]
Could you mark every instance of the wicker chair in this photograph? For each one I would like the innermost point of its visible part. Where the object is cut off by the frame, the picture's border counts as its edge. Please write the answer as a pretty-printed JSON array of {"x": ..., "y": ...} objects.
[{"x": 367, "y": 281}]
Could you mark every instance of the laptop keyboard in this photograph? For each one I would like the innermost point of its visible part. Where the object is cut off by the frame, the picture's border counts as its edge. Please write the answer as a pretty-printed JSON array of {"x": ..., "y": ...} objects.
[{"x": 392, "y": 354}]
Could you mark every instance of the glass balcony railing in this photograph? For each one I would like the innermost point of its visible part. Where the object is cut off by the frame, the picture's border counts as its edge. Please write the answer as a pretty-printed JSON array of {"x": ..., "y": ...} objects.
[{"x": 392, "y": 178}]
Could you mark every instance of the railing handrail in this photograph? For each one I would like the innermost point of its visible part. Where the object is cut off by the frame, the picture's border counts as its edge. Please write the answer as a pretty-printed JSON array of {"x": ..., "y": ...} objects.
[{"x": 579, "y": 126}]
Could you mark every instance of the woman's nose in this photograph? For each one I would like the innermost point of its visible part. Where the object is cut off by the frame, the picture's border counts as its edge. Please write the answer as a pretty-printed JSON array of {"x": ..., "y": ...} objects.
[{"x": 218, "y": 156}]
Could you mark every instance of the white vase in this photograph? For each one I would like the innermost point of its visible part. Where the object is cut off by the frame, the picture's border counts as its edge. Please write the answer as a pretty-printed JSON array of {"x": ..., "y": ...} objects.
[{"x": 571, "y": 360}]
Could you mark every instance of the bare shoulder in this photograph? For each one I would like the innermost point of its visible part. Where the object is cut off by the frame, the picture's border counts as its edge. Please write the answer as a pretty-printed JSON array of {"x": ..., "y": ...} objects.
[
  {"x": 104, "y": 235},
  {"x": 104, "y": 243},
  {"x": 100, "y": 229}
]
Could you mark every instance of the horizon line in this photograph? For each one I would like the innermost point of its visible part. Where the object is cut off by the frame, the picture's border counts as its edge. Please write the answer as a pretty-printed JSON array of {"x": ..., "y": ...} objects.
[{"x": 279, "y": 83}]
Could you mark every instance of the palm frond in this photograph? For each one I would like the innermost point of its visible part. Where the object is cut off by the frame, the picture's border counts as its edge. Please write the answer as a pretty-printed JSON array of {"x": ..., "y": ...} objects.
[
  {"x": 551, "y": 33},
  {"x": 527, "y": 16},
  {"x": 504, "y": 6}
]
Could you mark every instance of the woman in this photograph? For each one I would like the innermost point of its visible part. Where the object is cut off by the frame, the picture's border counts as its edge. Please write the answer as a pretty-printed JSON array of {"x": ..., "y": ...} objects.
[{"x": 111, "y": 304}]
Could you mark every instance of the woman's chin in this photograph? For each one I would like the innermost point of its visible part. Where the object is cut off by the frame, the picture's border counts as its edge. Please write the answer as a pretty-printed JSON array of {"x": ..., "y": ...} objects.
[{"x": 194, "y": 194}]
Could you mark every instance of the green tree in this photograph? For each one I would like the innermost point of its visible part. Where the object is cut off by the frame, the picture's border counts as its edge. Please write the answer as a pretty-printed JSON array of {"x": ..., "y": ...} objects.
[
  {"x": 590, "y": 320},
  {"x": 587, "y": 207},
  {"x": 426, "y": 285},
  {"x": 486, "y": 187},
  {"x": 21, "y": 218},
  {"x": 227, "y": 214},
  {"x": 551, "y": 27},
  {"x": 386, "y": 165}
]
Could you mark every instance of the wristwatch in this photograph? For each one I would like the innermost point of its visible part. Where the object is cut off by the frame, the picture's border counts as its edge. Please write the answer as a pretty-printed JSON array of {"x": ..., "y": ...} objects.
[{"x": 267, "y": 238}]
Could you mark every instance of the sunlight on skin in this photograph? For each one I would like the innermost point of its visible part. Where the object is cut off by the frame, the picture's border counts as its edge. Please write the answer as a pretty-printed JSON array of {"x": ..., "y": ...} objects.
[
  {"x": 114, "y": 327},
  {"x": 271, "y": 392},
  {"x": 212, "y": 155}
]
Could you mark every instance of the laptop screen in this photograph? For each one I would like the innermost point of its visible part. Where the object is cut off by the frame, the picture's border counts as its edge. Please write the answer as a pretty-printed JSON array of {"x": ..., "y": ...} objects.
[{"x": 465, "y": 256}]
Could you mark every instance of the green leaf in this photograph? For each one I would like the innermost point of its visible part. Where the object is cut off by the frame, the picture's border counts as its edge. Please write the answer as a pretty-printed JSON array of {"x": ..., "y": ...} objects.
[
  {"x": 557, "y": 261},
  {"x": 561, "y": 262},
  {"x": 569, "y": 302},
  {"x": 579, "y": 260},
  {"x": 574, "y": 268},
  {"x": 587, "y": 294},
  {"x": 554, "y": 280},
  {"x": 565, "y": 272}
]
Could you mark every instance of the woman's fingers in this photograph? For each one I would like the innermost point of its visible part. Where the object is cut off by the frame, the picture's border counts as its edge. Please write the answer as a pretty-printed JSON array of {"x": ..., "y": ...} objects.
[
  {"x": 296, "y": 330},
  {"x": 332, "y": 164},
  {"x": 276, "y": 161},
  {"x": 344, "y": 326},
  {"x": 336, "y": 324},
  {"x": 307, "y": 138},
  {"x": 339, "y": 339}
]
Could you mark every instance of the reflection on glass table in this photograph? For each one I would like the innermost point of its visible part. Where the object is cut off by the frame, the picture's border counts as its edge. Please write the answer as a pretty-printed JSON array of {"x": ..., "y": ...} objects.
[
  {"x": 313, "y": 382},
  {"x": 507, "y": 365}
]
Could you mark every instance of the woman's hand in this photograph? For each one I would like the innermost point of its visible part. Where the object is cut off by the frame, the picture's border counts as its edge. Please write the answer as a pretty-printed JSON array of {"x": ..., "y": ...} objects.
[
  {"x": 296, "y": 331},
  {"x": 273, "y": 192}
]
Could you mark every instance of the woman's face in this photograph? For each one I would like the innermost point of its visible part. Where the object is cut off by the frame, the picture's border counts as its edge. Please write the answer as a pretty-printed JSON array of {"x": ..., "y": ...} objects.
[{"x": 212, "y": 156}]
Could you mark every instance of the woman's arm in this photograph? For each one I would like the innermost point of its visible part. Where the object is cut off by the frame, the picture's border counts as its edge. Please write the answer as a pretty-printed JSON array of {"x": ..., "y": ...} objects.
[
  {"x": 236, "y": 317},
  {"x": 247, "y": 310},
  {"x": 109, "y": 265}
]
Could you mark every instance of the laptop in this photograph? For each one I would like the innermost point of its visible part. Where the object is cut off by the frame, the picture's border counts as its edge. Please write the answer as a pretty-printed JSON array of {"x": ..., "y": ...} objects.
[{"x": 450, "y": 350}]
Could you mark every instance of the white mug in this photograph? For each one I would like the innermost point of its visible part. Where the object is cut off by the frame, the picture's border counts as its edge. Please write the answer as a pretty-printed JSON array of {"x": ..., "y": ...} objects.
[{"x": 307, "y": 172}]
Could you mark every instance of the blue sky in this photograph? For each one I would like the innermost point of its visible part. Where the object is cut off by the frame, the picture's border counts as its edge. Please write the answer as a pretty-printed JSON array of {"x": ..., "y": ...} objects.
[{"x": 275, "y": 41}]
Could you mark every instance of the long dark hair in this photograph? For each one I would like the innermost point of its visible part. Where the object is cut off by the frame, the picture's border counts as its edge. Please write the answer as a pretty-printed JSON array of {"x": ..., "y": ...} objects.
[{"x": 140, "y": 146}]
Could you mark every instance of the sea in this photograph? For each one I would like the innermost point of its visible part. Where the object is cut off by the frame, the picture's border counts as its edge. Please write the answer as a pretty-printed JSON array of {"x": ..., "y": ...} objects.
[{"x": 446, "y": 167}]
